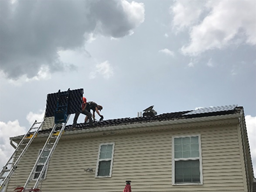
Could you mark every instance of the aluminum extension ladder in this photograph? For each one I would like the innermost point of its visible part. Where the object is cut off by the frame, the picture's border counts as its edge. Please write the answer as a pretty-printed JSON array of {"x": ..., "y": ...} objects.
[
  {"x": 61, "y": 118},
  {"x": 21, "y": 148},
  {"x": 44, "y": 156}
]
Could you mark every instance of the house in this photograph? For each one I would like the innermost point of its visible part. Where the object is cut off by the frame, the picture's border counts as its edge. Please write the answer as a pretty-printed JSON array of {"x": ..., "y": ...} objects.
[
  {"x": 254, "y": 185},
  {"x": 196, "y": 150}
]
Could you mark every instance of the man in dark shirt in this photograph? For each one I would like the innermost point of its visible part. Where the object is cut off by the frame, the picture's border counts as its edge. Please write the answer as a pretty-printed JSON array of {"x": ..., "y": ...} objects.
[
  {"x": 94, "y": 107},
  {"x": 83, "y": 111}
]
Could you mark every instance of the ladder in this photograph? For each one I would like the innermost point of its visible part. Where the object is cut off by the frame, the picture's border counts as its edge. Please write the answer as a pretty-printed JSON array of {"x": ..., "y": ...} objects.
[
  {"x": 21, "y": 148},
  {"x": 61, "y": 118}
]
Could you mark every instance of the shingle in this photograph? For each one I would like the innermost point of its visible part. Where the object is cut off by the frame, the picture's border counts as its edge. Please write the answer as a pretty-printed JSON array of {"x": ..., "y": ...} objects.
[{"x": 161, "y": 117}]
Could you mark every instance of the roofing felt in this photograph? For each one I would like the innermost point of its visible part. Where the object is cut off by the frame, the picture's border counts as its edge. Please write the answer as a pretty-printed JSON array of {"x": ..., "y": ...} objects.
[{"x": 161, "y": 117}]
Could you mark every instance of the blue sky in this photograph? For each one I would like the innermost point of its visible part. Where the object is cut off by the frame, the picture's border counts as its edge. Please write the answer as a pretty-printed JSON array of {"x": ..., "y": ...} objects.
[{"x": 126, "y": 55}]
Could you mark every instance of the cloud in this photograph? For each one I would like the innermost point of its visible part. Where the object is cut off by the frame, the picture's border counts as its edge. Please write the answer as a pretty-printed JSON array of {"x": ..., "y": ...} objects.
[
  {"x": 7, "y": 130},
  {"x": 11, "y": 129},
  {"x": 224, "y": 20},
  {"x": 167, "y": 52},
  {"x": 117, "y": 18},
  {"x": 103, "y": 69},
  {"x": 32, "y": 32},
  {"x": 31, "y": 117},
  {"x": 185, "y": 13},
  {"x": 251, "y": 129}
]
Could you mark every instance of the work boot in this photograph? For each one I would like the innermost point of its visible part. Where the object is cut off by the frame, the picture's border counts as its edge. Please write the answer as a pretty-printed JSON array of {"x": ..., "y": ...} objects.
[{"x": 74, "y": 126}]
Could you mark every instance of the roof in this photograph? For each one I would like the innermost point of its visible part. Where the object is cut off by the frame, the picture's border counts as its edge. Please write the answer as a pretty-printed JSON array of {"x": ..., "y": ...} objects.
[{"x": 212, "y": 111}]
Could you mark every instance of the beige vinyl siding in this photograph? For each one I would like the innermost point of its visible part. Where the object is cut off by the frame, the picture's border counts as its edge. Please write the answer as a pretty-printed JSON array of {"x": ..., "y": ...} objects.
[{"x": 144, "y": 158}]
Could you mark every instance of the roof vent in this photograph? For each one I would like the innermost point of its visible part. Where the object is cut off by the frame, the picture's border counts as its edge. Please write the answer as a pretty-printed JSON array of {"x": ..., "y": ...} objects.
[{"x": 149, "y": 112}]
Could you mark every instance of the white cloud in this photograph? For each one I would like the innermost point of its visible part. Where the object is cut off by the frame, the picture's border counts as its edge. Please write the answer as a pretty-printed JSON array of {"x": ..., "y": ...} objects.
[
  {"x": 167, "y": 52},
  {"x": 42, "y": 74},
  {"x": 7, "y": 130},
  {"x": 166, "y": 35},
  {"x": 39, "y": 117},
  {"x": 103, "y": 69},
  {"x": 135, "y": 12},
  {"x": 251, "y": 129},
  {"x": 185, "y": 13},
  {"x": 225, "y": 21},
  {"x": 11, "y": 129}
]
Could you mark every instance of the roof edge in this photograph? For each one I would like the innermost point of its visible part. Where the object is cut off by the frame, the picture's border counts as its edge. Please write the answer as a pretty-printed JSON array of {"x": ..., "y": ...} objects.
[{"x": 142, "y": 125}]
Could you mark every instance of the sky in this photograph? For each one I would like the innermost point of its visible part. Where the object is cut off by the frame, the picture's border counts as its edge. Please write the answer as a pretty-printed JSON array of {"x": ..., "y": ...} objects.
[{"x": 127, "y": 56}]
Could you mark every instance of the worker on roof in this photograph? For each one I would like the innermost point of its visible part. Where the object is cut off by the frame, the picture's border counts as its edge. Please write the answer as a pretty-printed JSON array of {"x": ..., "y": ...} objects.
[
  {"x": 94, "y": 107},
  {"x": 83, "y": 111}
]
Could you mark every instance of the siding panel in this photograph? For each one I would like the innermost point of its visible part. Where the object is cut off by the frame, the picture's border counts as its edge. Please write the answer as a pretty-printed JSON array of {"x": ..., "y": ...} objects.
[{"x": 144, "y": 158}]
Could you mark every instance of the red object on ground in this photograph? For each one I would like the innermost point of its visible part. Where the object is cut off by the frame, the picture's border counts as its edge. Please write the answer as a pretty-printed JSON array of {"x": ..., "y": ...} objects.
[
  {"x": 21, "y": 189},
  {"x": 36, "y": 190},
  {"x": 127, "y": 188}
]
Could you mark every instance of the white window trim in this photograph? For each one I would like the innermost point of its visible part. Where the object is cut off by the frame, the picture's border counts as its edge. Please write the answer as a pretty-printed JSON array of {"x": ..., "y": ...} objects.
[
  {"x": 46, "y": 169},
  {"x": 111, "y": 164},
  {"x": 200, "y": 160}
]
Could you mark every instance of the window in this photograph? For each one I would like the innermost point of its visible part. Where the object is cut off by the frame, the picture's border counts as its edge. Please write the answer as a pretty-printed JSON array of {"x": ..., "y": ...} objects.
[
  {"x": 187, "y": 165},
  {"x": 40, "y": 165},
  {"x": 105, "y": 160}
]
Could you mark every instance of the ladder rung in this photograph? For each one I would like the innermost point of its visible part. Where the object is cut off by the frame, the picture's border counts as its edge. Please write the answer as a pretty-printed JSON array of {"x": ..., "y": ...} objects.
[
  {"x": 10, "y": 167},
  {"x": 47, "y": 149},
  {"x": 53, "y": 138},
  {"x": 44, "y": 157},
  {"x": 50, "y": 143}
]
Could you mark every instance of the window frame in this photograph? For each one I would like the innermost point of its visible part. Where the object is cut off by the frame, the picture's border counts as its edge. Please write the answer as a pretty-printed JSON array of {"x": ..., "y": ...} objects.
[
  {"x": 189, "y": 158},
  {"x": 46, "y": 169},
  {"x": 99, "y": 160}
]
